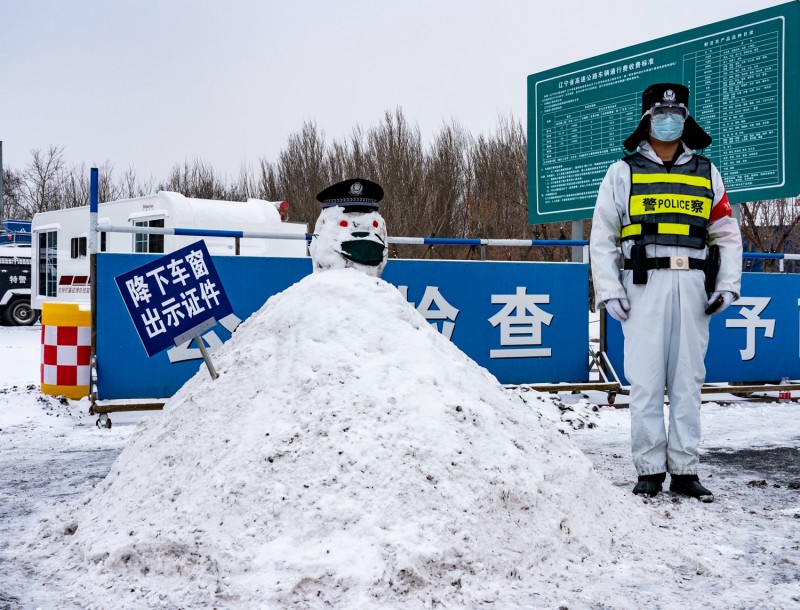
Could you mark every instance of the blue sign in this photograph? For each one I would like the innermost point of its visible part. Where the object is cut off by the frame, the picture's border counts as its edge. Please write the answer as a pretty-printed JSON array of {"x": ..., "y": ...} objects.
[
  {"x": 524, "y": 322},
  {"x": 757, "y": 339},
  {"x": 16, "y": 231},
  {"x": 174, "y": 298}
]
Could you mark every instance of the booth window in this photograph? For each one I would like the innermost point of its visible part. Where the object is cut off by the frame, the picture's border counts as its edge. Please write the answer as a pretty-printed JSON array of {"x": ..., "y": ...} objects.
[
  {"x": 47, "y": 257},
  {"x": 143, "y": 242},
  {"x": 77, "y": 247}
]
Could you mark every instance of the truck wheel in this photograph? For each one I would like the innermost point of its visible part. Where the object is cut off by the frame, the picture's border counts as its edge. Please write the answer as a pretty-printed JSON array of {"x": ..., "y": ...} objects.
[{"x": 20, "y": 313}]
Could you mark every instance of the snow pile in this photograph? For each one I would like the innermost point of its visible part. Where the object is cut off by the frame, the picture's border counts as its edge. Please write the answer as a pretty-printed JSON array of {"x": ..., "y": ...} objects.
[{"x": 348, "y": 456}]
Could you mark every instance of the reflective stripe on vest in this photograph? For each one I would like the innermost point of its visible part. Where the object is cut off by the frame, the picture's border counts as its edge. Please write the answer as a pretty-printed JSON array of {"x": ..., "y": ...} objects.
[
  {"x": 669, "y": 208},
  {"x": 661, "y": 228},
  {"x": 650, "y": 178}
]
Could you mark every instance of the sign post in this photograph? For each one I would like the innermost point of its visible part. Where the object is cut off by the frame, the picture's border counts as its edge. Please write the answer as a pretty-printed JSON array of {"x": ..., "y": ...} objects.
[
  {"x": 744, "y": 78},
  {"x": 195, "y": 333},
  {"x": 175, "y": 298},
  {"x": 206, "y": 358}
]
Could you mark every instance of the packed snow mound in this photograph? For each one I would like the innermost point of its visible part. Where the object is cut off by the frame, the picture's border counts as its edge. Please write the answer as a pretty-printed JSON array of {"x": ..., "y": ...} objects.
[{"x": 348, "y": 456}]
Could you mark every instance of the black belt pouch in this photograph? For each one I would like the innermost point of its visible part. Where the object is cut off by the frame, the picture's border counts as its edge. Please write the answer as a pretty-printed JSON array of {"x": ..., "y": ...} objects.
[{"x": 639, "y": 263}]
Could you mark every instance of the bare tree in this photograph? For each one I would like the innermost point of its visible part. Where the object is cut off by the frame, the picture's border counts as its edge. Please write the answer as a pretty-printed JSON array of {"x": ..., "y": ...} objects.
[
  {"x": 12, "y": 195},
  {"x": 457, "y": 186},
  {"x": 195, "y": 179},
  {"x": 302, "y": 171},
  {"x": 47, "y": 183},
  {"x": 130, "y": 186},
  {"x": 770, "y": 226},
  {"x": 245, "y": 187},
  {"x": 394, "y": 149},
  {"x": 76, "y": 187},
  {"x": 266, "y": 182},
  {"x": 496, "y": 204},
  {"x": 447, "y": 178},
  {"x": 43, "y": 181}
]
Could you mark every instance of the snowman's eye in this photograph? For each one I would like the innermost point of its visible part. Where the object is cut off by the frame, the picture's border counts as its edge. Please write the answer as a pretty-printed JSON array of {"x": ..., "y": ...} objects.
[
  {"x": 375, "y": 224},
  {"x": 343, "y": 223}
]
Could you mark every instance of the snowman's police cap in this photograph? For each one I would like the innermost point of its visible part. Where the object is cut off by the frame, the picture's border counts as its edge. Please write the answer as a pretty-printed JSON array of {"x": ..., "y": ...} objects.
[{"x": 356, "y": 194}]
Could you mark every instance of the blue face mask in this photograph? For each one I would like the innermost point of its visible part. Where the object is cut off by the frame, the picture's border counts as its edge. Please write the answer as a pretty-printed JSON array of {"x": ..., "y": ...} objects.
[{"x": 666, "y": 127}]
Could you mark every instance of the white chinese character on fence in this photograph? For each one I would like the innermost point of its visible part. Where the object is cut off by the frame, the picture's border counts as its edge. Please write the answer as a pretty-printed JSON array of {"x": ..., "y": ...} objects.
[
  {"x": 153, "y": 323},
  {"x": 179, "y": 274},
  {"x": 443, "y": 311},
  {"x": 138, "y": 289},
  {"x": 197, "y": 263},
  {"x": 209, "y": 292},
  {"x": 171, "y": 310},
  {"x": 160, "y": 281},
  {"x": 521, "y": 323},
  {"x": 433, "y": 306},
  {"x": 751, "y": 322}
]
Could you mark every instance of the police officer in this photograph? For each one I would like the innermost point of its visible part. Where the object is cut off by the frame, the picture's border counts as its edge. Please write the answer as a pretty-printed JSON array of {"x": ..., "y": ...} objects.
[{"x": 666, "y": 208}]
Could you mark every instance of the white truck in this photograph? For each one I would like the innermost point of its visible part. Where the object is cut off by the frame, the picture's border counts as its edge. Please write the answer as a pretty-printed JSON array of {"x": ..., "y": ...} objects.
[
  {"x": 15, "y": 285},
  {"x": 15, "y": 273},
  {"x": 60, "y": 261}
]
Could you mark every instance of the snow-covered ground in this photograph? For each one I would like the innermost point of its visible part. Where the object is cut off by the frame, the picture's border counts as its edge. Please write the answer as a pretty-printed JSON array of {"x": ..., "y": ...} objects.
[{"x": 350, "y": 457}]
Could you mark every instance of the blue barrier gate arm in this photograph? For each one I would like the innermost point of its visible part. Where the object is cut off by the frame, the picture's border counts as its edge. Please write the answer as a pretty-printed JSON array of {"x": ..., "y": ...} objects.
[
  {"x": 413, "y": 241},
  {"x": 428, "y": 241}
]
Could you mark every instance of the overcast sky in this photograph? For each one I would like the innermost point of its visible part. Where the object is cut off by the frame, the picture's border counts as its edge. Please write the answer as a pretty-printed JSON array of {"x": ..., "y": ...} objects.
[{"x": 148, "y": 84}]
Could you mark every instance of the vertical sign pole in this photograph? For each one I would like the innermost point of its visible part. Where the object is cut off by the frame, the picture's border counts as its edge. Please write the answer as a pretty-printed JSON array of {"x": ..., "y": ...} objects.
[
  {"x": 577, "y": 234},
  {"x": 206, "y": 358},
  {"x": 94, "y": 196}
]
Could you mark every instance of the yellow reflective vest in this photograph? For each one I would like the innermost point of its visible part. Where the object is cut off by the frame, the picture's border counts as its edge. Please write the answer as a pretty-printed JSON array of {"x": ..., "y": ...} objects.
[{"x": 669, "y": 208}]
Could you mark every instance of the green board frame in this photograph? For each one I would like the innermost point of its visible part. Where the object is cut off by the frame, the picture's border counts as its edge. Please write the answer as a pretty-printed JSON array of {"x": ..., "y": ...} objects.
[{"x": 744, "y": 78}]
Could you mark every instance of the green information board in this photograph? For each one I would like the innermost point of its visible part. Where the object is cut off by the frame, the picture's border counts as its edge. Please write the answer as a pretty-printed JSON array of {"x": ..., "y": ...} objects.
[{"x": 744, "y": 79}]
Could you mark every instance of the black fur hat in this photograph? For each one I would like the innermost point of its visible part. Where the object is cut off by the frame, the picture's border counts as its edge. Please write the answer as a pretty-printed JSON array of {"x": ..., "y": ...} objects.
[{"x": 672, "y": 93}]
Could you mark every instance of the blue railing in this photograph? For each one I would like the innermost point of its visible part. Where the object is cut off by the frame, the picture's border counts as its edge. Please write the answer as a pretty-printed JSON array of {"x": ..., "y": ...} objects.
[{"x": 426, "y": 241}]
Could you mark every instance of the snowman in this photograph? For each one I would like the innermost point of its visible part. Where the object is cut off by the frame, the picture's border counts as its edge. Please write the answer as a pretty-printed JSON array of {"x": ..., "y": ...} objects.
[{"x": 349, "y": 231}]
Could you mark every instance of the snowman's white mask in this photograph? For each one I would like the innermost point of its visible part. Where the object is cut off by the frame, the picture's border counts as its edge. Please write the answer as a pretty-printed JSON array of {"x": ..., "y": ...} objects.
[{"x": 349, "y": 239}]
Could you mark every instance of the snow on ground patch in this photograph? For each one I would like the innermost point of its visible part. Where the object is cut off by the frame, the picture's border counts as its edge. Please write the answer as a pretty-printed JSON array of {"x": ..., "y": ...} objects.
[{"x": 348, "y": 456}]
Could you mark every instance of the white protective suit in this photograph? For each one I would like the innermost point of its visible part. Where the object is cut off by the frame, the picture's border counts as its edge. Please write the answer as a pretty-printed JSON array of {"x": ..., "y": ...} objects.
[{"x": 666, "y": 333}]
